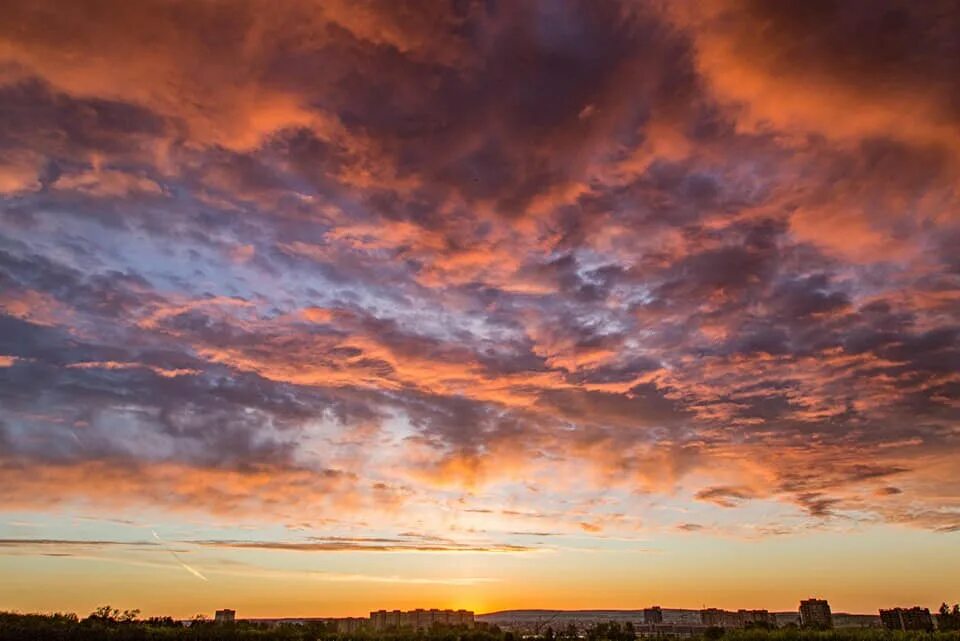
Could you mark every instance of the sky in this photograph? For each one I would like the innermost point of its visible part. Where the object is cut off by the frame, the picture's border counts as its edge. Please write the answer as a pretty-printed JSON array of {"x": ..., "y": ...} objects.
[{"x": 317, "y": 307}]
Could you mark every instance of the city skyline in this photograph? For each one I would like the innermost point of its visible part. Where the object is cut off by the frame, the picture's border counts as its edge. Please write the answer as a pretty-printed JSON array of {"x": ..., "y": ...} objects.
[
  {"x": 813, "y": 613},
  {"x": 815, "y": 622},
  {"x": 324, "y": 305}
]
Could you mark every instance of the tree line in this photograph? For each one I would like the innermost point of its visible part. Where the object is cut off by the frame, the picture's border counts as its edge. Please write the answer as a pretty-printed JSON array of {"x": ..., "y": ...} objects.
[{"x": 111, "y": 624}]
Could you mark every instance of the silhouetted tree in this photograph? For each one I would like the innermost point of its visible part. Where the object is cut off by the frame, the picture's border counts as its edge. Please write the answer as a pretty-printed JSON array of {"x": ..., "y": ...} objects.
[
  {"x": 105, "y": 614},
  {"x": 104, "y": 625},
  {"x": 611, "y": 631},
  {"x": 948, "y": 619},
  {"x": 129, "y": 616}
]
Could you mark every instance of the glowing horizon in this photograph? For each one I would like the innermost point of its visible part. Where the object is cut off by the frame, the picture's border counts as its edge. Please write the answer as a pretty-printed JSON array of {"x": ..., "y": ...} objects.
[{"x": 338, "y": 306}]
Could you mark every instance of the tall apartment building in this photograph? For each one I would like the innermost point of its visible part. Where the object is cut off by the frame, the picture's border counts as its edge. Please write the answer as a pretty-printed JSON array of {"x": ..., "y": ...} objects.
[
  {"x": 420, "y": 619},
  {"x": 815, "y": 613},
  {"x": 653, "y": 615},
  {"x": 225, "y": 616},
  {"x": 915, "y": 618}
]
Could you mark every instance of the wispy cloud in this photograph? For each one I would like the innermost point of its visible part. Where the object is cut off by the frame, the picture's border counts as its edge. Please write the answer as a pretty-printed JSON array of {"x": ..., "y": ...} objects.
[
  {"x": 69, "y": 543},
  {"x": 366, "y": 545}
]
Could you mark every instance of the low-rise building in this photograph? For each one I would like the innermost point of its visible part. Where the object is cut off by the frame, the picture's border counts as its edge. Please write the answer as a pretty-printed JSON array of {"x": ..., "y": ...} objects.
[
  {"x": 717, "y": 618},
  {"x": 915, "y": 618},
  {"x": 756, "y": 617}
]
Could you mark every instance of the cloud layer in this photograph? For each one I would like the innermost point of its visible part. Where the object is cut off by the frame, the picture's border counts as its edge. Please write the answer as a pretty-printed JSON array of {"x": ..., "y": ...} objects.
[{"x": 499, "y": 267}]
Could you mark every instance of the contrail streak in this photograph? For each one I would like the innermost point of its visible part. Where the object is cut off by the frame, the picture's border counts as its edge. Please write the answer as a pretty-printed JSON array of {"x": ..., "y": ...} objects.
[{"x": 176, "y": 556}]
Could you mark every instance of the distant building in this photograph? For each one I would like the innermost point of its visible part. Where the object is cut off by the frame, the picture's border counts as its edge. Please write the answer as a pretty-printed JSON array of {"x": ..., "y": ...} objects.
[
  {"x": 653, "y": 615},
  {"x": 225, "y": 616},
  {"x": 420, "y": 619},
  {"x": 815, "y": 613},
  {"x": 669, "y": 630},
  {"x": 756, "y": 617},
  {"x": 384, "y": 619},
  {"x": 347, "y": 625},
  {"x": 915, "y": 618},
  {"x": 717, "y": 618}
]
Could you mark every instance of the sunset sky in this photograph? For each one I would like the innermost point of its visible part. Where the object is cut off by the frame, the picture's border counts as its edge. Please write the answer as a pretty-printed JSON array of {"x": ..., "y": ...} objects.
[{"x": 314, "y": 307}]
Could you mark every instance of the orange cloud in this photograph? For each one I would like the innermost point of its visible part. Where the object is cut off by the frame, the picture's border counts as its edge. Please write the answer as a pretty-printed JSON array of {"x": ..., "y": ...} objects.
[{"x": 798, "y": 72}]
